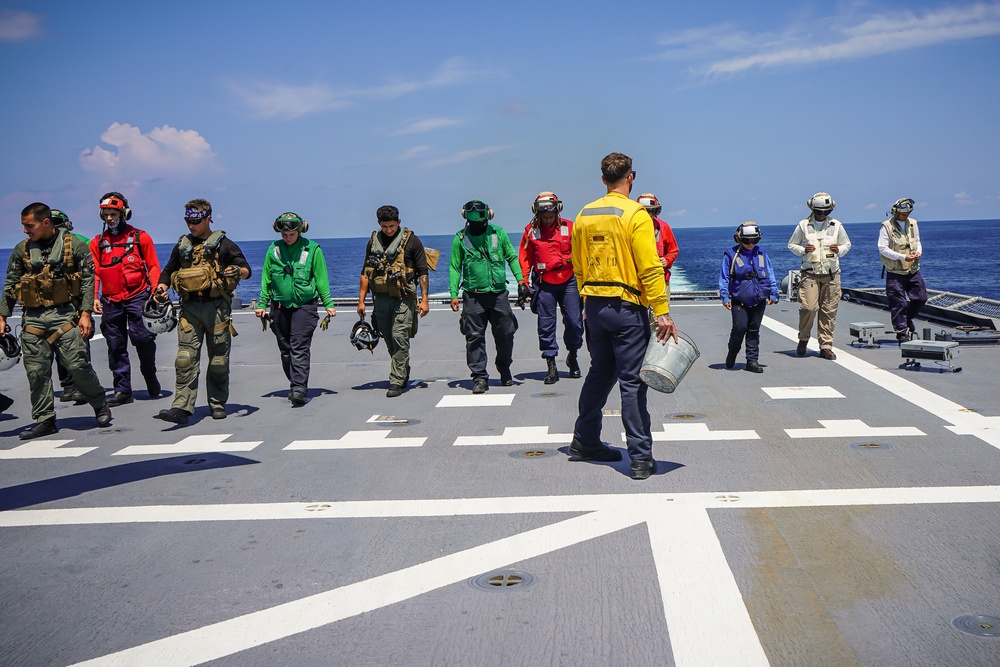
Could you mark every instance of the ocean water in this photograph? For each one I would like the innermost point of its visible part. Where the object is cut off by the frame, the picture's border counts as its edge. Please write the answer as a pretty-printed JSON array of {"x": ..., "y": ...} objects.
[{"x": 955, "y": 258}]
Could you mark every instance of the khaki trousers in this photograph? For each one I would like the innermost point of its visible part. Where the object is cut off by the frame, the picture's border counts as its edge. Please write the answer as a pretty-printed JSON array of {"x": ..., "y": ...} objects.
[{"x": 818, "y": 294}]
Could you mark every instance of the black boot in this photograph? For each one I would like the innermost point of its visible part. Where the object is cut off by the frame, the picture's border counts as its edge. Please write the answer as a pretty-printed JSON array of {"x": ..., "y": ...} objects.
[
  {"x": 552, "y": 375},
  {"x": 573, "y": 364},
  {"x": 39, "y": 429}
]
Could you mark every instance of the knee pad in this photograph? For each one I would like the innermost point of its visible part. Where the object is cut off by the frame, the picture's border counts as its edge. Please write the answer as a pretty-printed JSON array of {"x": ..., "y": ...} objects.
[
  {"x": 219, "y": 366},
  {"x": 183, "y": 360}
]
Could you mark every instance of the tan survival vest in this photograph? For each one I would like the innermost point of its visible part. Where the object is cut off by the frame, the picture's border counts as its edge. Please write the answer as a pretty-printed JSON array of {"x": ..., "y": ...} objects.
[
  {"x": 903, "y": 241},
  {"x": 201, "y": 273},
  {"x": 50, "y": 279},
  {"x": 386, "y": 269}
]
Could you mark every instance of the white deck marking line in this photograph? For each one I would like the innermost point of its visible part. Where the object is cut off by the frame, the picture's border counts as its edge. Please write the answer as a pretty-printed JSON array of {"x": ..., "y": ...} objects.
[
  {"x": 193, "y": 443},
  {"x": 44, "y": 449},
  {"x": 850, "y": 428},
  {"x": 782, "y": 393},
  {"x": 653, "y": 503},
  {"x": 971, "y": 423},
  {"x": 475, "y": 400},
  {"x": 708, "y": 621},
  {"x": 358, "y": 440},
  {"x": 517, "y": 435},
  {"x": 698, "y": 431},
  {"x": 225, "y": 638}
]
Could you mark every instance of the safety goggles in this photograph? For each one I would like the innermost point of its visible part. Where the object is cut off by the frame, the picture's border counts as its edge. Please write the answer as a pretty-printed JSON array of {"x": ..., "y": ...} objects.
[
  {"x": 547, "y": 206},
  {"x": 474, "y": 206},
  {"x": 287, "y": 224}
]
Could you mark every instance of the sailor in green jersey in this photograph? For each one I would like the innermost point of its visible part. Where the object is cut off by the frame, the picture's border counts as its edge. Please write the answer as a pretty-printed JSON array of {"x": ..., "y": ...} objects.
[
  {"x": 293, "y": 281},
  {"x": 480, "y": 255}
]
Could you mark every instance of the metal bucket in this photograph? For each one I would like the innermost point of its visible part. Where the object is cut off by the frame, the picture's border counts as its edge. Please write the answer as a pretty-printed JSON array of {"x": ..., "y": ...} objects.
[{"x": 665, "y": 365}]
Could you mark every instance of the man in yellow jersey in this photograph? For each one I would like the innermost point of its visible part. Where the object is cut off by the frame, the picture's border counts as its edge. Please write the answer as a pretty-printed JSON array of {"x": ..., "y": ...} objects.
[{"x": 620, "y": 278}]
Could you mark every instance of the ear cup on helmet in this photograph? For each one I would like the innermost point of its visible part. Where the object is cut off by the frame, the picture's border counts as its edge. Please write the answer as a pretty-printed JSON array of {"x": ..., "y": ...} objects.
[{"x": 305, "y": 227}]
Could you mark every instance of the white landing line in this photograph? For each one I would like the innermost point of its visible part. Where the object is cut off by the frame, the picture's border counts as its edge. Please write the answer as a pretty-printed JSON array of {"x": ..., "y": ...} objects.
[
  {"x": 678, "y": 432},
  {"x": 44, "y": 449},
  {"x": 850, "y": 428},
  {"x": 475, "y": 401},
  {"x": 962, "y": 421},
  {"x": 782, "y": 393},
  {"x": 358, "y": 440},
  {"x": 697, "y": 586},
  {"x": 518, "y": 435},
  {"x": 192, "y": 444}
]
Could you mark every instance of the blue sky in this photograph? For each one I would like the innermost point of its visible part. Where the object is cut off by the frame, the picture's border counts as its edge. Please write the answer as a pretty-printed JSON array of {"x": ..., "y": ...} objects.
[{"x": 730, "y": 110}]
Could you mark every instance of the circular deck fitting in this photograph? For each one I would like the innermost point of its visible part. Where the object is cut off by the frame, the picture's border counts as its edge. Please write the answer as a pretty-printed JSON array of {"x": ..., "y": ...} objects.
[
  {"x": 728, "y": 499},
  {"x": 114, "y": 429},
  {"x": 978, "y": 624},
  {"x": 612, "y": 413},
  {"x": 532, "y": 453},
  {"x": 317, "y": 507},
  {"x": 866, "y": 445},
  {"x": 194, "y": 462},
  {"x": 968, "y": 410},
  {"x": 685, "y": 416},
  {"x": 503, "y": 580},
  {"x": 548, "y": 394}
]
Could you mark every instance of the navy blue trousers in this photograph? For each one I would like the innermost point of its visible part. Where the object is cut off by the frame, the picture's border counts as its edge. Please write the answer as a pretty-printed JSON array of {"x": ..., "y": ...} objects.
[
  {"x": 293, "y": 329},
  {"x": 121, "y": 321},
  {"x": 746, "y": 323},
  {"x": 567, "y": 298},
  {"x": 478, "y": 310},
  {"x": 617, "y": 335},
  {"x": 906, "y": 296}
]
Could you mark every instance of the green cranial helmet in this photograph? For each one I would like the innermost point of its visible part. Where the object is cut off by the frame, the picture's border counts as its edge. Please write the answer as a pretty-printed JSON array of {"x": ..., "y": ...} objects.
[
  {"x": 60, "y": 220},
  {"x": 477, "y": 211},
  {"x": 290, "y": 222}
]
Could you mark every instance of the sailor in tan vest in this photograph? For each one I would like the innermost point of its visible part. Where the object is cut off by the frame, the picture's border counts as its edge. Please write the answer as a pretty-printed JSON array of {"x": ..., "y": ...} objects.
[
  {"x": 899, "y": 249},
  {"x": 820, "y": 241}
]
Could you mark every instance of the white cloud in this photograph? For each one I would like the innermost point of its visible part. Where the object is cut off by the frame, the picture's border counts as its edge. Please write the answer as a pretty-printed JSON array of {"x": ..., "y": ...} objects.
[
  {"x": 464, "y": 156},
  {"x": 964, "y": 198},
  {"x": 286, "y": 101},
  {"x": 413, "y": 152},
  {"x": 870, "y": 206},
  {"x": 164, "y": 151},
  {"x": 843, "y": 38},
  {"x": 421, "y": 126},
  {"x": 18, "y": 26}
]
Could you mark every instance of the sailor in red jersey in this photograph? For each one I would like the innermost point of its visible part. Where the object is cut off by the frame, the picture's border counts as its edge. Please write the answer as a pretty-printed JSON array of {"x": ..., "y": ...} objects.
[
  {"x": 125, "y": 266},
  {"x": 546, "y": 253},
  {"x": 666, "y": 244}
]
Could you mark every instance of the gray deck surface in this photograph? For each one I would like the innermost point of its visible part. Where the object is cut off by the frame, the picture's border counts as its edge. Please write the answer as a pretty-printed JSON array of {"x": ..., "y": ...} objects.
[{"x": 326, "y": 535}]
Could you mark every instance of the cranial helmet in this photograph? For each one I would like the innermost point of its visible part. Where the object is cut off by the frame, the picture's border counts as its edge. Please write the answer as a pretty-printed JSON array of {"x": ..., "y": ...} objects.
[
  {"x": 652, "y": 205},
  {"x": 116, "y": 201},
  {"x": 290, "y": 222},
  {"x": 477, "y": 211},
  {"x": 10, "y": 351},
  {"x": 901, "y": 206},
  {"x": 159, "y": 317},
  {"x": 821, "y": 202},
  {"x": 747, "y": 232},
  {"x": 60, "y": 220},
  {"x": 363, "y": 336},
  {"x": 546, "y": 202}
]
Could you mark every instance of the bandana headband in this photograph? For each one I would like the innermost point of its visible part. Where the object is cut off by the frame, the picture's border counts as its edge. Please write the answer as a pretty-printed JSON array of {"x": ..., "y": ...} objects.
[{"x": 195, "y": 214}]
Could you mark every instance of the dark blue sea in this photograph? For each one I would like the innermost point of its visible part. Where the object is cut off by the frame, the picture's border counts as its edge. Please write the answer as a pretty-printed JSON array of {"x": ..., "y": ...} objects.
[{"x": 955, "y": 258}]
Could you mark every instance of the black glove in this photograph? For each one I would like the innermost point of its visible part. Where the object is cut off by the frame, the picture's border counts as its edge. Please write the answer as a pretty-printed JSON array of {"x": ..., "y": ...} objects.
[{"x": 523, "y": 294}]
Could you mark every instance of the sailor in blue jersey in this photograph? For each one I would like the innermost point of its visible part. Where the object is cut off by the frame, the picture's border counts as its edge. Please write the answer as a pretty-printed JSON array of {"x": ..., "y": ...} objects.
[{"x": 747, "y": 286}]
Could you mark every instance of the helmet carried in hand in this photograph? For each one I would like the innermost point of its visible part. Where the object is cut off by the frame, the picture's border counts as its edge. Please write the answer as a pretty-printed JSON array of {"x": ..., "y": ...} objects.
[
  {"x": 363, "y": 336},
  {"x": 10, "y": 351},
  {"x": 159, "y": 318}
]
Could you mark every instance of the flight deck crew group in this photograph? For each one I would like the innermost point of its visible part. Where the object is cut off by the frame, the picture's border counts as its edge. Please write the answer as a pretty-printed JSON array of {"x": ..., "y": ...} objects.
[{"x": 607, "y": 272}]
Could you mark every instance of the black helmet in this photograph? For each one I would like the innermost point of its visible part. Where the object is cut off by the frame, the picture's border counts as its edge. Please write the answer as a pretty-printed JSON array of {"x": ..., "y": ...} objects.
[
  {"x": 363, "y": 336},
  {"x": 10, "y": 351}
]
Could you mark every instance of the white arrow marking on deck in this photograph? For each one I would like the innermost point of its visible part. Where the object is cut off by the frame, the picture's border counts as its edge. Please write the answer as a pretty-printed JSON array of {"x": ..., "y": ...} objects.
[
  {"x": 698, "y": 588},
  {"x": 475, "y": 401},
  {"x": 971, "y": 423},
  {"x": 191, "y": 444},
  {"x": 518, "y": 435},
  {"x": 853, "y": 428},
  {"x": 358, "y": 440},
  {"x": 802, "y": 392},
  {"x": 991, "y": 424},
  {"x": 676, "y": 432},
  {"x": 44, "y": 449}
]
